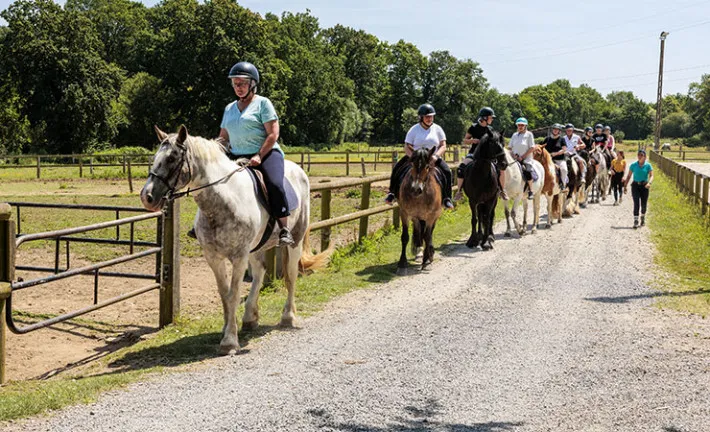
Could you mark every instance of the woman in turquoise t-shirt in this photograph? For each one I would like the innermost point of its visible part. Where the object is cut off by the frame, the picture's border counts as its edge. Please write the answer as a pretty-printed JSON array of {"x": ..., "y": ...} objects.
[
  {"x": 642, "y": 172},
  {"x": 251, "y": 127}
]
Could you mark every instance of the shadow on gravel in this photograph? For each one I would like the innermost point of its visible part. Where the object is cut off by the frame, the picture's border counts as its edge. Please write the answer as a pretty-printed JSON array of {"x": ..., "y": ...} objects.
[
  {"x": 627, "y": 299},
  {"x": 187, "y": 350},
  {"x": 418, "y": 419},
  {"x": 622, "y": 227}
]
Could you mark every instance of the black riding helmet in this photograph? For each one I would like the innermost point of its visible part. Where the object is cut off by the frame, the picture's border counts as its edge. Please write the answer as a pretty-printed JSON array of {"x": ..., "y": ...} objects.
[
  {"x": 426, "y": 109},
  {"x": 569, "y": 126},
  {"x": 244, "y": 70},
  {"x": 588, "y": 129},
  {"x": 486, "y": 111}
]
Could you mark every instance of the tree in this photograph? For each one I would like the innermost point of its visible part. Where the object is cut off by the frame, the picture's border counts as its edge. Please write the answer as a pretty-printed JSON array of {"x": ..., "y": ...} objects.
[
  {"x": 53, "y": 58},
  {"x": 700, "y": 110},
  {"x": 630, "y": 114}
]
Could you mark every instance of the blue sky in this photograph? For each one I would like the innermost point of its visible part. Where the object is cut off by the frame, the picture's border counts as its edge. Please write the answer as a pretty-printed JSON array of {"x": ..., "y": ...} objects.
[{"x": 611, "y": 45}]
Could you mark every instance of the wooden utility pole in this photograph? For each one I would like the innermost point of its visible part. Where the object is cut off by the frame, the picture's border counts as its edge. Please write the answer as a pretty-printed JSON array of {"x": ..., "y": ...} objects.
[{"x": 659, "y": 95}]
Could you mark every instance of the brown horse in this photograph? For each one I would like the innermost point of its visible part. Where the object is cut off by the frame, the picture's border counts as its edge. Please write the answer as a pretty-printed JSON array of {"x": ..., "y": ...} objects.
[
  {"x": 551, "y": 189},
  {"x": 420, "y": 202}
]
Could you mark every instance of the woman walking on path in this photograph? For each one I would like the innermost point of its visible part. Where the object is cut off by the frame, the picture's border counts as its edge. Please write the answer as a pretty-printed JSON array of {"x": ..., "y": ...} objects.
[
  {"x": 618, "y": 168},
  {"x": 642, "y": 171}
]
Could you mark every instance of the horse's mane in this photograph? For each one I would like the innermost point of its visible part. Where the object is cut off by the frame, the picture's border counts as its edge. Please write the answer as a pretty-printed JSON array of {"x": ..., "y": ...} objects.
[
  {"x": 205, "y": 149},
  {"x": 490, "y": 146}
]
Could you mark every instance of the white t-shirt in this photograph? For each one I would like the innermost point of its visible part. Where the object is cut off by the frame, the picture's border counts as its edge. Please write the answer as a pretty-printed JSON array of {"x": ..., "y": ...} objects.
[
  {"x": 430, "y": 138},
  {"x": 571, "y": 143},
  {"x": 521, "y": 143}
]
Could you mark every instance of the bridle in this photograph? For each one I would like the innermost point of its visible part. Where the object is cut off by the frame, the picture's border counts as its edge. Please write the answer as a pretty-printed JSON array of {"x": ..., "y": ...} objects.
[{"x": 171, "y": 194}]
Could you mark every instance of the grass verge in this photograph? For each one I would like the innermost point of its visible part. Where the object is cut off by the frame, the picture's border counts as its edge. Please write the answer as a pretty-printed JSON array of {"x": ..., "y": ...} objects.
[
  {"x": 194, "y": 339},
  {"x": 682, "y": 242}
]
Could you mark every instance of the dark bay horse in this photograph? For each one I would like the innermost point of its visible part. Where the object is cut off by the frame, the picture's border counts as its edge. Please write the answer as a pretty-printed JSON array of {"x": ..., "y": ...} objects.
[
  {"x": 481, "y": 187},
  {"x": 420, "y": 202}
]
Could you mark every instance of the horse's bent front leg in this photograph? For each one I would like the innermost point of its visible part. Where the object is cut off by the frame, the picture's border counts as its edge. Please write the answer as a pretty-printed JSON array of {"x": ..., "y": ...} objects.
[
  {"x": 290, "y": 257},
  {"x": 250, "y": 320},
  {"x": 402, "y": 265}
]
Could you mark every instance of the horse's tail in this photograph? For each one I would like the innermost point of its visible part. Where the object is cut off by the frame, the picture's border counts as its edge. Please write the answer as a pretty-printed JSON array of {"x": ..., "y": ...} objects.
[{"x": 309, "y": 261}]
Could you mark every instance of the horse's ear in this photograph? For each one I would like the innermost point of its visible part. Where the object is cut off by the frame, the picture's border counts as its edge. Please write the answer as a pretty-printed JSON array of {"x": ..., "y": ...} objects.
[
  {"x": 431, "y": 152},
  {"x": 182, "y": 135},
  {"x": 161, "y": 135}
]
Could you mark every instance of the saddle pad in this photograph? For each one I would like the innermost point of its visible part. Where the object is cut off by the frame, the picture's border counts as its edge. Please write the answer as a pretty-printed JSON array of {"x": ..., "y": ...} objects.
[{"x": 261, "y": 194}]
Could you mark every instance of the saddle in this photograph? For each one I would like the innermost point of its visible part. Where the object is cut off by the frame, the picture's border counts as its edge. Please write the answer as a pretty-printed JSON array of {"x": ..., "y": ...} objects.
[{"x": 527, "y": 171}]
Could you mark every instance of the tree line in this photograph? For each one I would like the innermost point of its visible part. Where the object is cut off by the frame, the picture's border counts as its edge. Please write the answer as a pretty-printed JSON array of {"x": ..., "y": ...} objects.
[{"x": 99, "y": 73}]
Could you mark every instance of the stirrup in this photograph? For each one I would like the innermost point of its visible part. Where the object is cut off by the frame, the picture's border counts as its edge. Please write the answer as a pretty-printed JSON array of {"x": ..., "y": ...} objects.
[
  {"x": 448, "y": 203},
  {"x": 285, "y": 237},
  {"x": 192, "y": 233}
]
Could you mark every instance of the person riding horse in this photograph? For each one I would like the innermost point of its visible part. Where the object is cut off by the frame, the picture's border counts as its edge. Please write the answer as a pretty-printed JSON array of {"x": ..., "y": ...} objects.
[
  {"x": 427, "y": 135},
  {"x": 574, "y": 145},
  {"x": 555, "y": 145},
  {"x": 250, "y": 129},
  {"x": 522, "y": 144},
  {"x": 473, "y": 137},
  {"x": 588, "y": 143}
]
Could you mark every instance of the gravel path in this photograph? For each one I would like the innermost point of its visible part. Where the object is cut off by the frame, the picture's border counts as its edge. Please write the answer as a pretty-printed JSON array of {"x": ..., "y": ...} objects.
[
  {"x": 703, "y": 168},
  {"x": 533, "y": 336}
]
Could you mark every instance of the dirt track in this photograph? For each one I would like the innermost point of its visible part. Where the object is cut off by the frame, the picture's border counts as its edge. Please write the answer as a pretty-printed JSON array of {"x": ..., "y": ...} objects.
[{"x": 536, "y": 335}]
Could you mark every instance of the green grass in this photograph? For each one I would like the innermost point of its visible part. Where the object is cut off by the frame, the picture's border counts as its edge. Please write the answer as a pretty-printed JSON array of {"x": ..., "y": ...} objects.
[
  {"x": 193, "y": 339},
  {"x": 682, "y": 240}
]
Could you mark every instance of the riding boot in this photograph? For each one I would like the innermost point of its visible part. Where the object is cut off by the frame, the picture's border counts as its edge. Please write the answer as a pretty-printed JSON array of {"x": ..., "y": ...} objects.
[
  {"x": 447, "y": 190},
  {"x": 285, "y": 237},
  {"x": 643, "y": 220}
]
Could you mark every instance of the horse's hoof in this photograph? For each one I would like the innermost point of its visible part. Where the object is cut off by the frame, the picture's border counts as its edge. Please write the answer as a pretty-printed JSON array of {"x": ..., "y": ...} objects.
[
  {"x": 401, "y": 271},
  {"x": 228, "y": 349},
  {"x": 486, "y": 246},
  {"x": 470, "y": 244},
  {"x": 287, "y": 323},
  {"x": 533, "y": 231},
  {"x": 507, "y": 234},
  {"x": 250, "y": 325},
  {"x": 548, "y": 225},
  {"x": 576, "y": 211}
]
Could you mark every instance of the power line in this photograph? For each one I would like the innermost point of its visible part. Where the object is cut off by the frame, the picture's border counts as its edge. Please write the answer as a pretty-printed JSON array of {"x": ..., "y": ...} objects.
[
  {"x": 644, "y": 74},
  {"x": 621, "y": 87},
  {"x": 575, "y": 51},
  {"x": 515, "y": 49}
]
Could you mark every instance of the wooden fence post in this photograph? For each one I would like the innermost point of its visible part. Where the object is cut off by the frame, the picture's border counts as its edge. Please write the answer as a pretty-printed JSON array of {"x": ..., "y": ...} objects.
[
  {"x": 698, "y": 193},
  {"x": 81, "y": 166},
  {"x": 38, "y": 166},
  {"x": 124, "y": 165},
  {"x": 377, "y": 159},
  {"x": 364, "y": 205},
  {"x": 130, "y": 177},
  {"x": 456, "y": 154},
  {"x": 309, "y": 162},
  {"x": 325, "y": 215},
  {"x": 362, "y": 162},
  {"x": 170, "y": 281},
  {"x": 7, "y": 274},
  {"x": 91, "y": 165},
  {"x": 347, "y": 163},
  {"x": 683, "y": 156},
  {"x": 706, "y": 185},
  {"x": 301, "y": 160},
  {"x": 394, "y": 158}
]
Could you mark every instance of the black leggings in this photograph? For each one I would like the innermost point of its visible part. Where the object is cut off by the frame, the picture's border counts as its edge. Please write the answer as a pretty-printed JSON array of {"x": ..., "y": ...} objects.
[
  {"x": 639, "y": 193},
  {"x": 401, "y": 165},
  {"x": 272, "y": 166},
  {"x": 617, "y": 185}
]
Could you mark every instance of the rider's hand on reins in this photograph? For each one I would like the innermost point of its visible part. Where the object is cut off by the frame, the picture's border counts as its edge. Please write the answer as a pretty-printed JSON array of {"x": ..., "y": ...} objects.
[{"x": 255, "y": 160}]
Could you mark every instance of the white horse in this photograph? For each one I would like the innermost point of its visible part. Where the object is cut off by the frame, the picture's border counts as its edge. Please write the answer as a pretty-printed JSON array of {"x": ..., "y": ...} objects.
[
  {"x": 551, "y": 187},
  {"x": 230, "y": 223},
  {"x": 515, "y": 189}
]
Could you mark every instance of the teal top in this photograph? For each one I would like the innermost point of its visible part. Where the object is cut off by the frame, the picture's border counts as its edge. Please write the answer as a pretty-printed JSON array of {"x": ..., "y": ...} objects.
[
  {"x": 246, "y": 128},
  {"x": 641, "y": 171}
]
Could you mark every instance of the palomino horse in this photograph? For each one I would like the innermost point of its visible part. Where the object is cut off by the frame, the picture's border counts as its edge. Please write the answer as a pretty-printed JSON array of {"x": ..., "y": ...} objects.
[
  {"x": 551, "y": 187},
  {"x": 230, "y": 222},
  {"x": 515, "y": 189},
  {"x": 481, "y": 187},
  {"x": 420, "y": 202}
]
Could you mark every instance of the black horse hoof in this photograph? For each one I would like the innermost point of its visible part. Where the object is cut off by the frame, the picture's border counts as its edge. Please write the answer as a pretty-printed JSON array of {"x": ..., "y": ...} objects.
[
  {"x": 401, "y": 271},
  {"x": 470, "y": 244}
]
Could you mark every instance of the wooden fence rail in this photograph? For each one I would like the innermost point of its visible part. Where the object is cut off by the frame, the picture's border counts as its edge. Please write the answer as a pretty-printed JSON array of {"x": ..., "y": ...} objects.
[
  {"x": 127, "y": 161},
  {"x": 690, "y": 182}
]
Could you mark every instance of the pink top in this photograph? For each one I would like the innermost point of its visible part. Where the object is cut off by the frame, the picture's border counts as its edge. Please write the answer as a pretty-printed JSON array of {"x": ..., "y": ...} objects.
[{"x": 610, "y": 142}]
